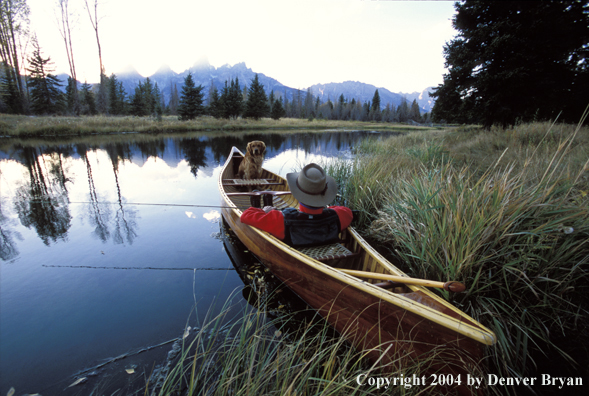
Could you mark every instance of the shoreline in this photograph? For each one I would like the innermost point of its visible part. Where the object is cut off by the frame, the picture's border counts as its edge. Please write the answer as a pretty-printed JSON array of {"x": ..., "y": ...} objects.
[{"x": 19, "y": 126}]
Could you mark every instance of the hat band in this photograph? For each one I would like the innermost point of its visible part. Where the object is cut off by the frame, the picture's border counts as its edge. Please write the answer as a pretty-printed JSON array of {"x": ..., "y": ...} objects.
[{"x": 311, "y": 193}]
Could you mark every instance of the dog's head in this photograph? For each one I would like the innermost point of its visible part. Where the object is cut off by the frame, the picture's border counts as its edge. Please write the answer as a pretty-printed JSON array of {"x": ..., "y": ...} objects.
[{"x": 257, "y": 147}]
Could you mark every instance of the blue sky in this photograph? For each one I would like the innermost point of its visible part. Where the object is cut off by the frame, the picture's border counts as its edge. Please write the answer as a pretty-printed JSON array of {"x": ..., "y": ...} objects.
[{"x": 397, "y": 45}]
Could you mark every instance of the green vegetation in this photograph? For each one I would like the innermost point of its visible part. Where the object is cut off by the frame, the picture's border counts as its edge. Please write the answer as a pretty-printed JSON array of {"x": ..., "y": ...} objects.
[
  {"x": 191, "y": 98},
  {"x": 27, "y": 126},
  {"x": 253, "y": 355},
  {"x": 506, "y": 211},
  {"x": 256, "y": 106},
  {"x": 44, "y": 87},
  {"x": 515, "y": 61}
]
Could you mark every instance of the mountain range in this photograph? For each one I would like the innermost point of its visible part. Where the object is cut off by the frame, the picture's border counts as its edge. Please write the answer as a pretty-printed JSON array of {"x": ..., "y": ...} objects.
[{"x": 203, "y": 74}]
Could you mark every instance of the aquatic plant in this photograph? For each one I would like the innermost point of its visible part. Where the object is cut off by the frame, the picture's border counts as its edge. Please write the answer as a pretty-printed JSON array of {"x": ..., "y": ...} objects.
[
  {"x": 506, "y": 211},
  {"x": 244, "y": 352}
]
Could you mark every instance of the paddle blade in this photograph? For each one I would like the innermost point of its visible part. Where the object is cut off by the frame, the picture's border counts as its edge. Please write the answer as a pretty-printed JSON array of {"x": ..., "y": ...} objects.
[{"x": 455, "y": 287}]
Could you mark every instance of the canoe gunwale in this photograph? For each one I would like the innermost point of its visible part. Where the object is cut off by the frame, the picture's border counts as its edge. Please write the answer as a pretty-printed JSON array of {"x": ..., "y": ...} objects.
[{"x": 478, "y": 333}]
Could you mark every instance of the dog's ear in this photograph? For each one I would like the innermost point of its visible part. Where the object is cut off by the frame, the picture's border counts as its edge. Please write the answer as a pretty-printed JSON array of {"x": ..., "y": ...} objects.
[
  {"x": 263, "y": 147},
  {"x": 249, "y": 148}
]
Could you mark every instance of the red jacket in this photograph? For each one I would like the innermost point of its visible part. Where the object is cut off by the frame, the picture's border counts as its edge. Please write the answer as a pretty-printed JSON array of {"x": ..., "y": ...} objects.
[{"x": 273, "y": 221}]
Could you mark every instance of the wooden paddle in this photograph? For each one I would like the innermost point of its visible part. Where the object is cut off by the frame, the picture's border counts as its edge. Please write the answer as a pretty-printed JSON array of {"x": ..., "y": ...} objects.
[
  {"x": 452, "y": 286},
  {"x": 245, "y": 194}
]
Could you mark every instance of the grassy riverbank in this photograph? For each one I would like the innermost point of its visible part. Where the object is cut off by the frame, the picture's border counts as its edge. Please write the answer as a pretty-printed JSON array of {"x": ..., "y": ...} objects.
[
  {"x": 28, "y": 126},
  {"x": 507, "y": 212}
]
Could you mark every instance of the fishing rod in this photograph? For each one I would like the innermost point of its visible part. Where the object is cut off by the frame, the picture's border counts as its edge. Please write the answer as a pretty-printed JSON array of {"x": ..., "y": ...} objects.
[
  {"x": 142, "y": 268},
  {"x": 149, "y": 204},
  {"x": 252, "y": 193}
]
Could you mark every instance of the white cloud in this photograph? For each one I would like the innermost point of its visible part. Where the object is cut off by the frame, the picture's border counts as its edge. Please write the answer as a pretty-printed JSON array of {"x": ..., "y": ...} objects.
[{"x": 212, "y": 216}]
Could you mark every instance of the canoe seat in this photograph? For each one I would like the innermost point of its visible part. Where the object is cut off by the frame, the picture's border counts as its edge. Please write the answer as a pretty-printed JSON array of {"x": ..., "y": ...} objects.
[
  {"x": 251, "y": 182},
  {"x": 327, "y": 252}
]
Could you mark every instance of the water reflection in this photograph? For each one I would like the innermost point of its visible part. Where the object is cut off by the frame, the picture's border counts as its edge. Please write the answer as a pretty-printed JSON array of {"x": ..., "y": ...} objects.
[
  {"x": 42, "y": 202},
  {"x": 8, "y": 248},
  {"x": 71, "y": 206},
  {"x": 264, "y": 291}
]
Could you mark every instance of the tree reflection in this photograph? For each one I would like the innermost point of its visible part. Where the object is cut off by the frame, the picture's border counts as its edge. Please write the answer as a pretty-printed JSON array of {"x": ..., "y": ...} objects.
[
  {"x": 98, "y": 214},
  {"x": 42, "y": 202},
  {"x": 99, "y": 211},
  {"x": 8, "y": 249},
  {"x": 124, "y": 219},
  {"x": 195, "y": 153},
  {"x": 155, "y": 148}
]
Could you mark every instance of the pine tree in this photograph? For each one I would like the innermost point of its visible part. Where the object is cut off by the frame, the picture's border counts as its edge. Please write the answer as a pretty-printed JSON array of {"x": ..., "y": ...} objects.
[
  {"x": 138, "y": 101},
  {"x": 414, "y": 113},
  {"x": 256, "y": 106},
  {"x": 366, "y": 111},
  {"x": 191, "y": 99},
  {"x": 232, "y": 100},
  {"x": 376, "y": 101},
  {"x": 149, "y": 97},
  {"x": 46, "y": 97},
  {"x": 9, "y": 94},
  {"x": 157, "y": 99},
  {"x": 88, "y": 101},
  {"x": 14, "y": 30},
  {"x": 214, "y": 108},
  {"x": 516, "y": 60},
  {"x": 72, "y": 97},
  {"x": 308, "y": 105},
  {"x": 174, "y": 100},
  {"x": 278, "y": 110},
  {"x": 102, "y": 105},
  {"x": 271, "y": 100},
  {"x": 113, "y": 96},
  {"x": 403, "y": 112},
  {"x": 122, "y": 98}
]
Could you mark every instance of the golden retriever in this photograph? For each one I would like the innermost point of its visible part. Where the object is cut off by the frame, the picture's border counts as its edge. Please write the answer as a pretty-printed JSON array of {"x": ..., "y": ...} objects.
[{"x": 251, "y": 165}]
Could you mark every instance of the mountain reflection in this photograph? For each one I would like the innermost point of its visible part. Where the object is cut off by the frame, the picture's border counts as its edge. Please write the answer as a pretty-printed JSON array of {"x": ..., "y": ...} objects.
[{"x": 41, "y": 198}]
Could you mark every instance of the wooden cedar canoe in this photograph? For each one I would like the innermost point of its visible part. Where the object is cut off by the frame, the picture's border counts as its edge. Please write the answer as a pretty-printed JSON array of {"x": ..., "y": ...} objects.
[{"x": 375, "y": 318}]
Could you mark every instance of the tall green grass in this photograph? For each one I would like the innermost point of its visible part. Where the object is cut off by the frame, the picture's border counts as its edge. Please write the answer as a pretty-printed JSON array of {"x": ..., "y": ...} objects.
[
  {"x": 506, "y": 211},
  {"x": 252, "y": 354}
]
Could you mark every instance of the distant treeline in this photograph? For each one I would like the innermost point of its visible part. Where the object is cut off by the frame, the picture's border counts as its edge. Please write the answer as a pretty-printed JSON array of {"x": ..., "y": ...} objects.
[
  {"x": 28, "y": 85},
  {"x": 44, "y": 95}
]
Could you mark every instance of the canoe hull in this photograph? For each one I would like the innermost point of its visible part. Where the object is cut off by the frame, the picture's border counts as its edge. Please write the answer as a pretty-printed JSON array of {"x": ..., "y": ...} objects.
[
  {"x": 385, "y": 325},
  {"x": 368, "y": 322}
]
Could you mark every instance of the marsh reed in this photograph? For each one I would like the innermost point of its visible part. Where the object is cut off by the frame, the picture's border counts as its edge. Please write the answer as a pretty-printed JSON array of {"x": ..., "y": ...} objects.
[
  {"x": 243, "y": 351},
  {"x": 506, "y": 211}
]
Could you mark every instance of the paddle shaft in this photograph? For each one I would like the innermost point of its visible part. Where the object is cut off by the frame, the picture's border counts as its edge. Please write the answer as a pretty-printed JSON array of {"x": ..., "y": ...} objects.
[
  {"x": 456, "y": 287},
  {"x": 254, "y": 193}
]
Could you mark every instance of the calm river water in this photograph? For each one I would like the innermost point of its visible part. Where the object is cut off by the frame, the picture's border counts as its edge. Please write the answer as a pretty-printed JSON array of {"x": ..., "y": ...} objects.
[{"x": 83, "y": 274}]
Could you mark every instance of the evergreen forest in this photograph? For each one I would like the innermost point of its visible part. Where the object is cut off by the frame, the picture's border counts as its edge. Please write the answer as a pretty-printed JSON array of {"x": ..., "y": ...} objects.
[{"x": 510, "y": 62}]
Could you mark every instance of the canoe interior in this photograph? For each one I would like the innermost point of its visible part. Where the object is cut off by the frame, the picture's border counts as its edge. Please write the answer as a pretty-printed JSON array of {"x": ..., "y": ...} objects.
[
  {"x": 369, "y": 261},
  {"x": 375, "y": 315}
]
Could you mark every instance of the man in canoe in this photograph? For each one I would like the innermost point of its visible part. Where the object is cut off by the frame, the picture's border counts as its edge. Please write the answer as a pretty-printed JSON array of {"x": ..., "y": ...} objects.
[{"x": 314, "y": 223}]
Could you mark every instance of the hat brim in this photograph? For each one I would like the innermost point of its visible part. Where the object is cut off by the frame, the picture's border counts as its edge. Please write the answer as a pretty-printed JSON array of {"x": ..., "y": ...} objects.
[{"x": 312, "y": 200}]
